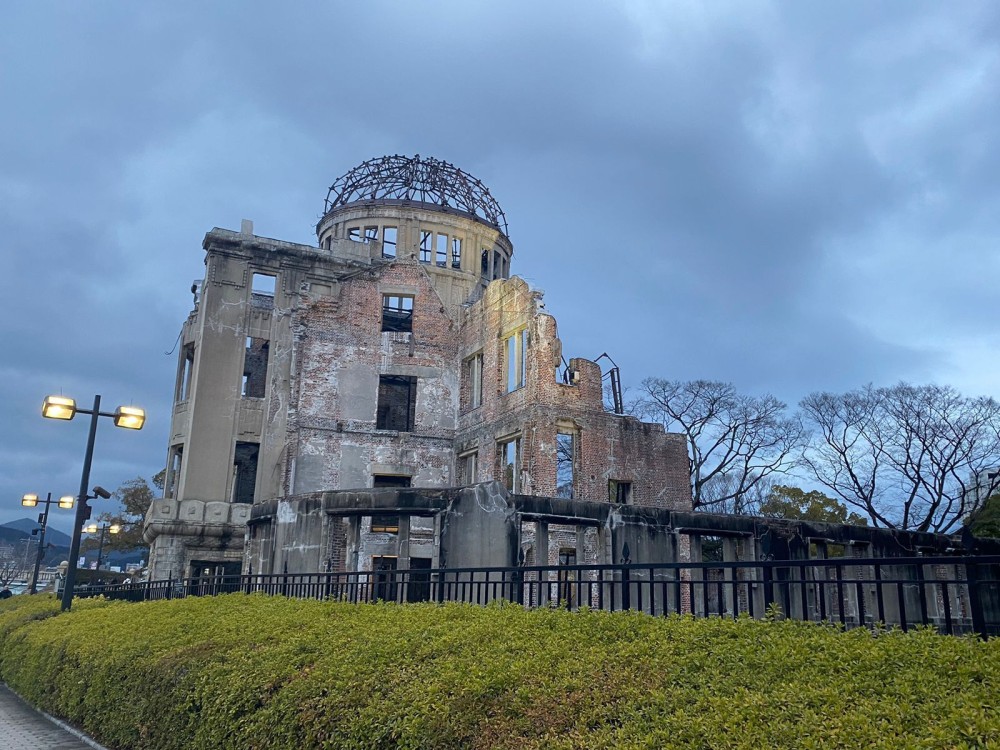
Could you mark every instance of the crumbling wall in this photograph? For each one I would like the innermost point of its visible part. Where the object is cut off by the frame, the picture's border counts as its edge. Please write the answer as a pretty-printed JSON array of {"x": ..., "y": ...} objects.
[
  {"x": 606, "y": 446},
  {"x": 342, "y": 353}
]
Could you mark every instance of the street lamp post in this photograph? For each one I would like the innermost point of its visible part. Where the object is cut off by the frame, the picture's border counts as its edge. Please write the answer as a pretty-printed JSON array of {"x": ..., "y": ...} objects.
[
  {"x": 93, "y": 528},
  {"x": 30, "y": 501},
  {"x": 60, "y": 407}
]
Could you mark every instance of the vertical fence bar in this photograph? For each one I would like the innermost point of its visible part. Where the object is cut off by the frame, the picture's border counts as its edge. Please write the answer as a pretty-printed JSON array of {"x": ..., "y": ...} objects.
[{"x": 975, "y": 598}]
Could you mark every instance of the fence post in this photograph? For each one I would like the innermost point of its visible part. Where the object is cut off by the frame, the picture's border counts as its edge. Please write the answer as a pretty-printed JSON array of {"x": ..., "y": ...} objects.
[
  {"x": 518, "y": 578},
  {"x": 767, "y": 573},
  {"x": 626, "y": 577},
  {"x": 975, "y": 599}
]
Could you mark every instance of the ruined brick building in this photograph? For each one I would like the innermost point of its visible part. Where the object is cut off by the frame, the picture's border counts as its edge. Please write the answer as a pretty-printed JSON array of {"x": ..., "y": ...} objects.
[{"x": 397, "y": 352}]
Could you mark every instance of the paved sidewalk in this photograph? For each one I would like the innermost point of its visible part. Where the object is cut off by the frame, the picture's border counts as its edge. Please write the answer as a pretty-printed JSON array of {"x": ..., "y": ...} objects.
[{"x": 24, "y": 728}]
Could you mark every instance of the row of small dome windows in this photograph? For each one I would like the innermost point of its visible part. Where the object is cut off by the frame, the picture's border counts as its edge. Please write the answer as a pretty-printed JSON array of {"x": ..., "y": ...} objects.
[{"x": 435, "y": 248}]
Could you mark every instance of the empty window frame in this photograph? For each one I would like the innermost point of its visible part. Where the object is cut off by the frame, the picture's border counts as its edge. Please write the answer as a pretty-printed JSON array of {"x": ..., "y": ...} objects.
[
  {"x": 245, "y": 472},
  {"x": 567, "y": 578},
  {"x": 619, "y": 492},
  {"x": 175, "y": 459},
  {"x": 472, "y": 372},
  {"x": 468, "y": 468},
  {"x": 497, "y": 265},
  {"x": 509, "y": 463},
  {"x": 441, "y": 254},
  {"x": 456, "y": 252},
  {"x": 254, "y": 383},
  {"x": 371, "y": 234},
  {"x": 397, "y": 403},
  {"x": 388, "y": 524},
  {"x": 397, "y": 313},
  {"x": 565, "y": 464},
  {"x": 388, "y": 242},
  {"x": 263, "y": 283},
  {"x": 515, "y": 359},
  {"x": 418, "y": 588},
  {"x": 262, "y": 288},
  {"x": 485, "y": 262},
  {"x": 185, "y": 373},
  {"x": 354, "y": 234},
  {"x": 384, "y": 584},
  {"x": 426, "y": 245}
]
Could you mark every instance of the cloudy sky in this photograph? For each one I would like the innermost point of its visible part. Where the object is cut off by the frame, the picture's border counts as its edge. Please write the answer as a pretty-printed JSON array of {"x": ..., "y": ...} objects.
[{"x": 791, "y": 196}]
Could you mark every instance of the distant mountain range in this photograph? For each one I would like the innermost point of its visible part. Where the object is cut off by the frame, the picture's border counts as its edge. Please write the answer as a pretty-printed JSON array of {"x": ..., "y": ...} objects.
[{"x": 25, "y": 525}]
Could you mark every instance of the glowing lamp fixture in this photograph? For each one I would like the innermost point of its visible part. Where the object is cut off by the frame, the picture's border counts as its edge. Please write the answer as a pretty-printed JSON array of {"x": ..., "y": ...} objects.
[
  {"x": 30, "y": 500},
  {"x": 58, "y": 407},
  {"x": 130, "y": 417},
  {"x": 93, "y": 528}
]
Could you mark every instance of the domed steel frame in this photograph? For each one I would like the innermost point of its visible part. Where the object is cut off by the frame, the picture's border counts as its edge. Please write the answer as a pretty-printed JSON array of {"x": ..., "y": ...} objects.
[{"x": 423, "y": 179}]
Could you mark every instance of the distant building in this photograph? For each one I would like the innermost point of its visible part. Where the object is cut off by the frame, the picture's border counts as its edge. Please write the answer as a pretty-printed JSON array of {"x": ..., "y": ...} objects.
[{"x": 398, "y": 352}]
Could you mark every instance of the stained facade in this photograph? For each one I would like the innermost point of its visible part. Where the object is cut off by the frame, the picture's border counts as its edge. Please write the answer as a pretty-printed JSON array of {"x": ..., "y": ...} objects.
[{"x": 397, "y": 352}]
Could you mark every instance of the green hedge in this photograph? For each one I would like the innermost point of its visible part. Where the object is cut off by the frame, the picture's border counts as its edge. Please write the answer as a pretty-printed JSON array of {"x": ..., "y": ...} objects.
[{"x": 252, "y": 672}]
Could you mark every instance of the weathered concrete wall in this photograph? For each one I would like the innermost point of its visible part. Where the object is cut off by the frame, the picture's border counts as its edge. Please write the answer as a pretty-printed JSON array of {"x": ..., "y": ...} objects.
[
  {"x": 313, "y": 353},
  {"x": 486, "y": 526}
]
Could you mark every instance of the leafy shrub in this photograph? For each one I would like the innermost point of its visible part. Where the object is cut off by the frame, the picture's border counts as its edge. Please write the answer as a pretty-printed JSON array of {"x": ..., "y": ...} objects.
[{"x": 255, "y": 672}]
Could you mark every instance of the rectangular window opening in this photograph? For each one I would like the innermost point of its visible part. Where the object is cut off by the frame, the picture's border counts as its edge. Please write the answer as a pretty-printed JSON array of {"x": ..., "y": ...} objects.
[
  {"x": 515, "y": 359},
  {"x": 388, "y": 524},
  {"x": 419, "y": 585},
  {"x": 354, "y": 234},
  {"x": 371, "y": 234},
  {"x": 619, "y": 492},
  {"x": 388, "y": 242},
  {"x": 397, "y": 313},
  {"x": 472, "y": 387},
  {"x": 456, "y": 252},
  {"x": 497, "y": 265},
  {"x": 384, "y": 578},
  {"x": 185, "y": 373},
  {"x": 468, "y": 469},
  {"x": 254, "y": 383},
  {"x": 426, "y": 246},
  {"x": 442, "y": 250},
  {"x": 397, "y": 403},
  {"x": 172, "y": 478},
  {"x": 263, "y": 283},
  {"x": 485, "y": 261},
  {"x": 509, "y": 454},
  {"x": 245, "y": 472},
  {"x": 565, "y": 464}
]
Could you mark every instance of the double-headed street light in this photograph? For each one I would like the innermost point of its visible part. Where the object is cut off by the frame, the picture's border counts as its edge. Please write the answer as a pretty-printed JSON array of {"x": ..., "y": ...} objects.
[
  {"x": 93, "y": 528},
  {"x": 60, "y": 407},
  {"x": 30, "y": 501}
]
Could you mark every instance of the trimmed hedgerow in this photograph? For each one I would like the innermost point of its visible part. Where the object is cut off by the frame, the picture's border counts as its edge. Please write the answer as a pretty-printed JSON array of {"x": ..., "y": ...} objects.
[{"x": 255, "y": 672}]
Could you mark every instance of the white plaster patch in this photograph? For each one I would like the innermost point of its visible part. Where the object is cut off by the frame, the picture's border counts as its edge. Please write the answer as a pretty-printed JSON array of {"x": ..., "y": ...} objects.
[{"x": 286, "y": 514}]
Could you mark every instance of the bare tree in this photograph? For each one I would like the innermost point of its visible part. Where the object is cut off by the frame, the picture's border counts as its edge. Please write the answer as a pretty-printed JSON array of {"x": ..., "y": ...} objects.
[
  {"x": 910, "y": 457},
  {"x": 735, "y": 441}
]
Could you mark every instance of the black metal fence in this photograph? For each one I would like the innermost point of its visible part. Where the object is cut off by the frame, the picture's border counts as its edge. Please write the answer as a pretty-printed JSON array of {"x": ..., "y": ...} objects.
[{"x": 954, "y": 594}]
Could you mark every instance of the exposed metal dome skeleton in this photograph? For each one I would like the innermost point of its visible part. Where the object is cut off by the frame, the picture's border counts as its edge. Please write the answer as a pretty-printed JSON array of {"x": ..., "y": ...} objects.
[{"x": 423, "y": 179}]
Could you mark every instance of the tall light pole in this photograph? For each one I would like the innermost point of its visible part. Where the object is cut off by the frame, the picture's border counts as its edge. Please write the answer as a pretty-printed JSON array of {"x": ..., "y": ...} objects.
[
  {"x": 30, "y": 501},
  {"x": 93, "y": 528},
  {"x": 60, "y": 407}
]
